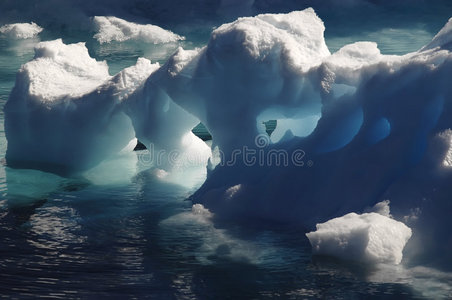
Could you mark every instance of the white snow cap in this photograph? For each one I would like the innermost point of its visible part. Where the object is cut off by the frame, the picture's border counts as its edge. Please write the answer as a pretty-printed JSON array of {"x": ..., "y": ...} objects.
[
  {"x": 296, "y": 36},
  {"x": 21, "y": 30},
  {"x": 59, "y": 69},
  {"x": 368, "y": 237},
  {"x": 116, "y": 29}
]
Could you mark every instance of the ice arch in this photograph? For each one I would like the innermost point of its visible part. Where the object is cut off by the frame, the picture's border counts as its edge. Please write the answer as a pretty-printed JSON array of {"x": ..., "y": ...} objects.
[
  {"x": 248, "y": 66},
  {"x": 63, "y": 114},
  {"x": 66, "y": 114}
]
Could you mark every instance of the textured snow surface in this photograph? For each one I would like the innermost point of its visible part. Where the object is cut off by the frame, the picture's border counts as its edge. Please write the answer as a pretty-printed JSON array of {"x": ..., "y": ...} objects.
[
  {"x": 115, "y": 29},
  {"x": 297, "y": 37},
  {"x": 21, "y": 30},
  {"x": 62, "y": 70}
]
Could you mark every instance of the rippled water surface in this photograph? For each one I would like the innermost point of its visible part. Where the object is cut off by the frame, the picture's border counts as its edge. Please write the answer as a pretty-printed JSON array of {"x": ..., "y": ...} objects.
[{"x": 131, "y": 234}]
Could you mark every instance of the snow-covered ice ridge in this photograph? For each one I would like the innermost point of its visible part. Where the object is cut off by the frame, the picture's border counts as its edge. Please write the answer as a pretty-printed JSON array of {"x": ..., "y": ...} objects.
[
  {"x": 380, "y": 124},
  {"x": 115, "y": 29},
  {"x": 21, "y": 30}
]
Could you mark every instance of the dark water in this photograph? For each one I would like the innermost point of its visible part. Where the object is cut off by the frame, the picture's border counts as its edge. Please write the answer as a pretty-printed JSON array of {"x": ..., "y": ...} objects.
[
  {"x": 141, "y": 241},
  {"x": 123, "y": 233}
]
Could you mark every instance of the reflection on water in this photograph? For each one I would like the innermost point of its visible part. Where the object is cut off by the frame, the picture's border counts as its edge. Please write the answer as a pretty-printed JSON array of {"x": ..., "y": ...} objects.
[
  {"x": 429, "y": 283},
  {"x": 143, "y": 239},
  {"x": 55, "y": 227},
  {"x": 22, "y": 186},
  {"x": 205, "y": 242}
]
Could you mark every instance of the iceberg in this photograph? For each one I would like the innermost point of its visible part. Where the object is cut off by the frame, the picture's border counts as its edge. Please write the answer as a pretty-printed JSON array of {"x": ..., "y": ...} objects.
[
  {"x": 382, "y": 131},
  {"x": 115, "y": 29},
  {"x": 21, "y": 30},
  {"x": 356, "y": 127},
  {"x": 64, "y": 113}
]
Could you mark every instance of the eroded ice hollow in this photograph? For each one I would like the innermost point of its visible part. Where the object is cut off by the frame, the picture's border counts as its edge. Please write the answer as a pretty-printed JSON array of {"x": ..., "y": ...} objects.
[{"x": 380, "y": 124}]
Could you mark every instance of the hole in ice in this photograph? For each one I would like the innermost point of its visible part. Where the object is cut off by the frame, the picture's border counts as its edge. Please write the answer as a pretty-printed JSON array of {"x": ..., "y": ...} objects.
[
  {"x": 140, "y": 146},
  {"x": 201, "y": 131},
  {"x": 300, "y": 127},
  {"x": 279, "y": 121},
  {"x": 270, "y": 126}
]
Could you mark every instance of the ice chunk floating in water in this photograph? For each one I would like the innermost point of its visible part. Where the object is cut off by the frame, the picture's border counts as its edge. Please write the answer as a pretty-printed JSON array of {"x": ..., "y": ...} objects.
[
  {"x": 370, "y": 237},
  {"x": 115, "y": 29},
  {"x": 21, "y": 30}
]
